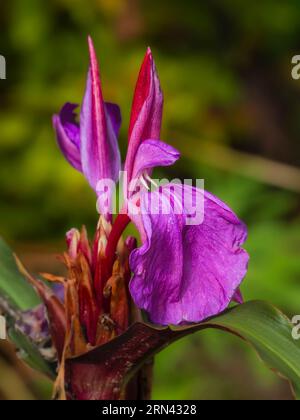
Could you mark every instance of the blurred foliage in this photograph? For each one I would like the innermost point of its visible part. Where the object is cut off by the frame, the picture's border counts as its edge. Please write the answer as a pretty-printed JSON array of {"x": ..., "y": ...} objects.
[{"x": 225, "y": 69}]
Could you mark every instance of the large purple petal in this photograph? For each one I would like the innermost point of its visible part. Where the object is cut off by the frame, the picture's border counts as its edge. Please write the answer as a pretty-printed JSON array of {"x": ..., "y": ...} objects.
[
  {"x": 99, "y": 148},
  {"x": 68, "y": 134},
  {"x": 187, "y": 272},
  {"x": 147, "y": 108}
]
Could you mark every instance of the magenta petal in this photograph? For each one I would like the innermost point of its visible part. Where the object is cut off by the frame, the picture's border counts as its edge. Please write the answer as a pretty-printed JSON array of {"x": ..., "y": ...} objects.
[
  {"x": 147, "y": 108},
  {"x": 187, "y": 273},
  {"x": 152, "y": 154},
  {"x": 114, "y": 113},
  {"x": 99, "y": 147},
  {"x": 68, "y": 134},
  {"x": 68, "y": 119},
  {"x": 238, "y": 297}
]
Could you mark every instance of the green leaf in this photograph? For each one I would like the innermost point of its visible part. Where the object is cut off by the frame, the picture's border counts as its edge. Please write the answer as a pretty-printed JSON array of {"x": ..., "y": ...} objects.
[
  {"x": 270, "y": 333},
  {"x": 30, "y": 354},
  {"x": 104, "y": 372},
  {"x": 12, "y": 284},
  {"x": 17, "y": 296}
]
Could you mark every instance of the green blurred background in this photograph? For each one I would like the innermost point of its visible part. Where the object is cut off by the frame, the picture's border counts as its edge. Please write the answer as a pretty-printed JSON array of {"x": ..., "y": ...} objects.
[{"x": 231, "y": 107}]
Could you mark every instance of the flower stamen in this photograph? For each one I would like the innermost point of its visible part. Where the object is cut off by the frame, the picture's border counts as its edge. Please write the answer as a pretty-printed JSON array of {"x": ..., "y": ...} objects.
[
  {"x": 144, "y": 183},
  {"x": 149, "y": 179}
]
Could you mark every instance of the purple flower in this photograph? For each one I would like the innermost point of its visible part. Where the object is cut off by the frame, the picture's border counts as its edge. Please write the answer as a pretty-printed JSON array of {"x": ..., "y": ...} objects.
[
  {"x": 183, "y": 272},
  {"x": 91, "y": 147}
]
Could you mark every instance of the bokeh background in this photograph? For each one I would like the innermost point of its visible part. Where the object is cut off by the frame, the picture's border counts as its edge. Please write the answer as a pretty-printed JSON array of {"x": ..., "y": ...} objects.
[{"x": 231, "y": 107}]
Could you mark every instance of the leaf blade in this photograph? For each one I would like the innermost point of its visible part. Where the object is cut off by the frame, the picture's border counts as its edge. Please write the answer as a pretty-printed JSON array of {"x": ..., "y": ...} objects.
[
  {"x": 12, "y": 284},
  {"x": 30, "y": 354},
  {"x": 270, "y": 333}
]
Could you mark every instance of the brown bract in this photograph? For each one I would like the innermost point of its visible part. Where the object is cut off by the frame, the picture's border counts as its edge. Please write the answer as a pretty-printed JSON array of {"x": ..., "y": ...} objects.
[{"x": 96, "y": 307}]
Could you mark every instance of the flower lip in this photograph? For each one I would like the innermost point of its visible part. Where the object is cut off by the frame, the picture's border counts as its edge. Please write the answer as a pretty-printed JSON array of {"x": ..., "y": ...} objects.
[{"x": 198, "y": 268}]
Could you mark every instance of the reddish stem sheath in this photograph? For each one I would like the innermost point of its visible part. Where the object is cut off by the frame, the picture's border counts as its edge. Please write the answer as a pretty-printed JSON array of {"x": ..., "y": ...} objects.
[{"x": 121, "y": 222}]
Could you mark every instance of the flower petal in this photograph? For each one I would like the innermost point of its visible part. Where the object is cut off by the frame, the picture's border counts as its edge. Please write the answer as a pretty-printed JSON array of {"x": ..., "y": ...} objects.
[
  {"x": 34, "y": 324},
  {"x": 68, "y": 136},
  {"x": 147, "y": 108},
  {"x": 185, "y": 272},
  {"x": 99, "y": 148},
  {"x": 238, "y": 297},
  {"x": 114, "y": 113},
  {"x": 151, "y": 154}
]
